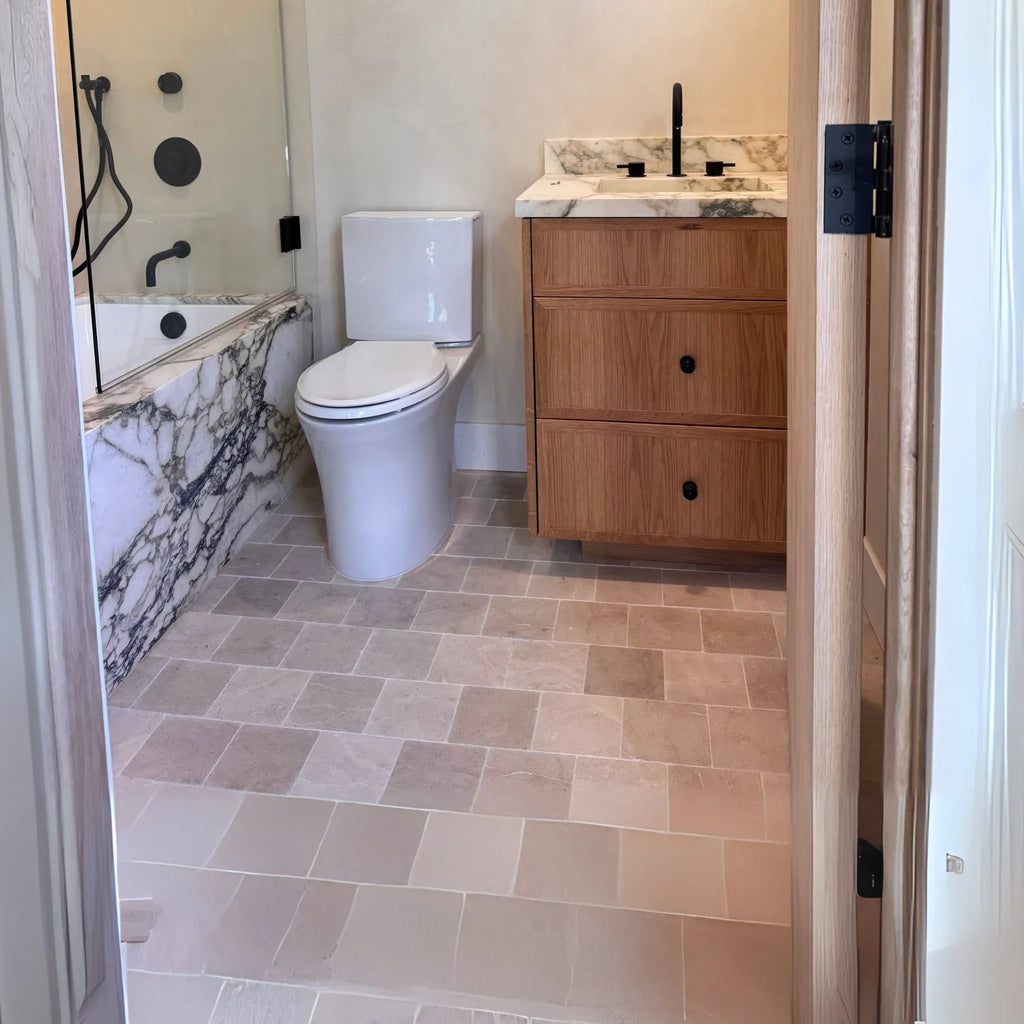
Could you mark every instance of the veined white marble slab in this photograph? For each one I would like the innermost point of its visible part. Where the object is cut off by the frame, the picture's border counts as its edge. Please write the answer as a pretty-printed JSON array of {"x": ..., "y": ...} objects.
[
  {"x": 602, "y": 156},
  {"x": 581, "y": 195}
]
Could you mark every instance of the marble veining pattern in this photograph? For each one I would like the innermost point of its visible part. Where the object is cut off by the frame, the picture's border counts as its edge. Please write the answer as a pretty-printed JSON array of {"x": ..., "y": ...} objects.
[
  {"x": 183, "y": 463},
  {"x": 151, "y": 299},
  {"x": 601, "y": 156}
]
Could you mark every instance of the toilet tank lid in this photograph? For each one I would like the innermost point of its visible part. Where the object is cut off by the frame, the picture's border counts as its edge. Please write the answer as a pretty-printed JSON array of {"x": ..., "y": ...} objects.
[{"x": 413, "y": 215}]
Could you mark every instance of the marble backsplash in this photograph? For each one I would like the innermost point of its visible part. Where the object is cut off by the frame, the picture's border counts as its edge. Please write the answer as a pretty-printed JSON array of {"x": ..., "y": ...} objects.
[
  {"x": 767, "y": 153},
  {"x": 184, "y": 463}
]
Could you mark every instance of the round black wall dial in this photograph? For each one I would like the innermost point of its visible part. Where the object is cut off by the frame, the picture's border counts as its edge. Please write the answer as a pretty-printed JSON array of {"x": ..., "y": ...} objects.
[{"x": 177, "y": 162}]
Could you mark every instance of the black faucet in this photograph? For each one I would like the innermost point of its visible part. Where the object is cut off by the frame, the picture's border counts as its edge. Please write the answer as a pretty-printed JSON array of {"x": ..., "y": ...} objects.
[
  {"x": 677, "y": 132},
  {"x": 179, "y": 250}
]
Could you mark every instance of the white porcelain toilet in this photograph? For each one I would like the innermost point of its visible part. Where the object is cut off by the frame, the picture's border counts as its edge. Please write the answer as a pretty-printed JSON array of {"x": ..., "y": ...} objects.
[{"x": 380, "y": 414}]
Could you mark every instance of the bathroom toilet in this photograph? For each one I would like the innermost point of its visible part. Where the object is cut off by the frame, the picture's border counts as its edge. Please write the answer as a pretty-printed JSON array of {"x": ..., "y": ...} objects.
[{"x": 380, "y": 414}]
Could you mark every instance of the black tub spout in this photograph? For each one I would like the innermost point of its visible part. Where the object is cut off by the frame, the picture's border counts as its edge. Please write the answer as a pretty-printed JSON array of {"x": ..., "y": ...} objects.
[{"x": 177, "y": 251}]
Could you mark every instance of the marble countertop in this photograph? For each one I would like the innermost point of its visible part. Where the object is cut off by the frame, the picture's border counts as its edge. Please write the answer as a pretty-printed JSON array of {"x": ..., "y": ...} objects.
[{"x": 580, "y": 179}]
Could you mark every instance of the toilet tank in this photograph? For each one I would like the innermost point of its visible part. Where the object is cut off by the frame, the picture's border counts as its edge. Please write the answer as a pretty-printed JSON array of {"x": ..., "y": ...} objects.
[{"x": 412, "y": 276}]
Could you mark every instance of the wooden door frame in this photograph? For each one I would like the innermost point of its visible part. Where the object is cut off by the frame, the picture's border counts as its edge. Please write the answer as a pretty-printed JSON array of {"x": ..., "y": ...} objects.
[
  {"x": 827, "y": 334},
  {"x": 62, "y": 963}
]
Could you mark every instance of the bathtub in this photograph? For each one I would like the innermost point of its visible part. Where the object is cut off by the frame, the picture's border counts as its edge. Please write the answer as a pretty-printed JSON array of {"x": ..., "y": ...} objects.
[{"x": 131, "y": 339}]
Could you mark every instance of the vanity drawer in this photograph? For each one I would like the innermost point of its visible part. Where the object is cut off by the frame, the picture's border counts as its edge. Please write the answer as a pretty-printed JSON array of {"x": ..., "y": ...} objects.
[
  {"x": 624, "y": 483},
  {"x": 677, "y": 258},
  {"x": 661, "y": 361}
]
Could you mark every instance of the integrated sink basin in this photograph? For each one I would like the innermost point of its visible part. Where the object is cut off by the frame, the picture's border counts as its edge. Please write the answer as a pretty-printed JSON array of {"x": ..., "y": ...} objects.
[{"x": 698, "y": 183}]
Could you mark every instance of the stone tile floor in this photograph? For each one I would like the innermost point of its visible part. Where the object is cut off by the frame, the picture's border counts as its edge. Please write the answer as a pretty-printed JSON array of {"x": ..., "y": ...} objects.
[{"x": 513, "y": 784}]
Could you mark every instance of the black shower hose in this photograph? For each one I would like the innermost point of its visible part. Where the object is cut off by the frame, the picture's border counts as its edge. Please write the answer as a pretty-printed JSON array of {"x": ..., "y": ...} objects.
[{"x": 106, "y": 163}]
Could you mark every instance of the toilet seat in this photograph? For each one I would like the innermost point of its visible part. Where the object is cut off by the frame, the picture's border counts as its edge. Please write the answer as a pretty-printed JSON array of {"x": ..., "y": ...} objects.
[{"x": 371, "y": 378}]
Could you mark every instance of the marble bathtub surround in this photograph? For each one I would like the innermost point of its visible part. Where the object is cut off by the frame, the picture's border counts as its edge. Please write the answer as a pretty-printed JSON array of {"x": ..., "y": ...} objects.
[
  {"x": 184, "y": 462},
  {"x": 577, "y": 173},
  {"x": 444, "y": 800},
  {"x": 767, "y": 153}
]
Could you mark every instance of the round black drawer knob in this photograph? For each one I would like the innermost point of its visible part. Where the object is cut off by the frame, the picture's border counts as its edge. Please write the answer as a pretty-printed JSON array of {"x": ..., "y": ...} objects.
[
  {"x": 170, "y": 83},
  {"x": 690, "y": 491},
  {"x": 173, "y": 325},
  {"x": 687, "y": 364}
]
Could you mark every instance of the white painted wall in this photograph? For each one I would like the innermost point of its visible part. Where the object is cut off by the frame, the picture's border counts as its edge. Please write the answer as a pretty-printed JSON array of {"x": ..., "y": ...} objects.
[{"x": 441, "y": 104}]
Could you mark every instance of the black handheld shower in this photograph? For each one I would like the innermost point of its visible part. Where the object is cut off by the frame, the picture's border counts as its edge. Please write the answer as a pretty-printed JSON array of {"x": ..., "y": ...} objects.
[{"x": 95, "y": 89}]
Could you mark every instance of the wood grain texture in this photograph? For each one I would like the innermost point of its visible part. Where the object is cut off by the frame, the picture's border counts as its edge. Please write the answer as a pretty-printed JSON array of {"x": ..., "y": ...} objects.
[
  {"x": 829, "y": 57},
  {"x": 47, "y": 473},
  {"x": 708, "y": 560},
  {"x": 622, "y": 483},
  {"x": 529, "y": 391},
  {"x": 916, "y": 109},
  {"x": 671, "y": 258},
  {"x": 619, "y": 359}
]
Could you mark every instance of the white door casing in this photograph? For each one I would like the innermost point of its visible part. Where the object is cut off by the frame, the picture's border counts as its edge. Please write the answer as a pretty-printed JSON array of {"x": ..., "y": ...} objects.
[{"x": 975, "y": 920}]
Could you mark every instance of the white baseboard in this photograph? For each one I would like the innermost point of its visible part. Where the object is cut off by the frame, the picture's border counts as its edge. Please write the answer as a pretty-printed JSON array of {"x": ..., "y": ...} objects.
[
  {"x": 874, "y": 591},
  {"x": 493, "y": 446}
]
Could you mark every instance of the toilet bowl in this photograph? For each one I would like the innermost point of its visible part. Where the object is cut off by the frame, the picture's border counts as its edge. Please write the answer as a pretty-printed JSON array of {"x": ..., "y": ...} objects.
[{"x": 380, "y": 414}]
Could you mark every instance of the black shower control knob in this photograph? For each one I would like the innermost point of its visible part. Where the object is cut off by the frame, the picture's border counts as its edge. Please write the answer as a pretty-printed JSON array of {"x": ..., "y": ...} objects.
[
  {"x": 173, "y": 325},
  {"x": 690, "y": 491},
  {"x": 170, "y": 82},
  {"x": 687, "y": 364}
]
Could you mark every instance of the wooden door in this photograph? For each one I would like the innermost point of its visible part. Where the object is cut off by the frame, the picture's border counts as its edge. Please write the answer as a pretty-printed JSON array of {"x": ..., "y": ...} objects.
[
  {"x": 829, "y": 58},
  {"x": 59, "y": 950}
]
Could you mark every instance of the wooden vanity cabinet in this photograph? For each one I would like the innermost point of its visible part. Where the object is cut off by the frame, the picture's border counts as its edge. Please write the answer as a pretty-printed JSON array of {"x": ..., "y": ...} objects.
[{"x": 656, "y": 381}]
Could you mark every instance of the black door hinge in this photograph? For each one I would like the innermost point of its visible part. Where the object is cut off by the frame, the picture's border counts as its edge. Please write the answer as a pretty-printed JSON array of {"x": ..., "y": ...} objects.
[
  {"x": 858, "y": 179},
  {"x": 291, "y": 234}
]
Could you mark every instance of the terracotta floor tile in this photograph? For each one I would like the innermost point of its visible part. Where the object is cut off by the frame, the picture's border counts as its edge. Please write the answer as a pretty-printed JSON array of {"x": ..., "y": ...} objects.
[
  {"x": 665, "y": 628},
  {"x": 414, "y": 711},
  {"x": 736, "y": 972},
  {"x": 273, "y": 835},
  {"x": 499, "y": 576},
  {"x": 767, "y": 684},
  {"x": 677, "y": 874},
  {"x": 630, "y": 962},
  {"x": 569, "y": 862},
  {"x": 181, "y": 750},
  {"x": 521, "y": 618},
  {"x": 612, "y": 792},
  {"x": 525, "y": 784},
  {"x": 398, "y": 654},
  {"x": 625, "y": 584},
  {"x": 478, "y": 660},
  {"x": 335, "y": 702},
  {"x": 452, "y": 613},
  {"x": 365, "y": 843},
  {"x": 570, "y": 723},
  {"x": 262, "y": 759},
  {"x": 692, "y": 677},
  {"x": 657, "y": 731},
  {"x": 319, "y": 602},
  {"x": 468, "y": 853},
  {"x": 492, "y": 717},
  {"x": 690, "y": 589},
  {"x": 749, "y": 738},
  {"x": 345, "y": 767},
  {"x": 626, "y": 672},
  {"x": 757, "y": 879},
  {"x": 437, "y": 776},
  {"x": 739, "y": 633},
  {"x": 544, "y": 665},
  {"x": 514, "y": 948},
  {"x": 185, "y": 688},
  {"x": 259, "y": 598},
  {"x": 397, "y": 937},
  {"x": 592, "y": 622},
  {"x": 715, "y": 802}
]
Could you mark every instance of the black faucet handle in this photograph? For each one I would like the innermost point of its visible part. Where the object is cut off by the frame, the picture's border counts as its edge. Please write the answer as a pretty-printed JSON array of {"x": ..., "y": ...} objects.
[
  {"x": 714, "y": 168},
  {"x": 635, "y": 168}
]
